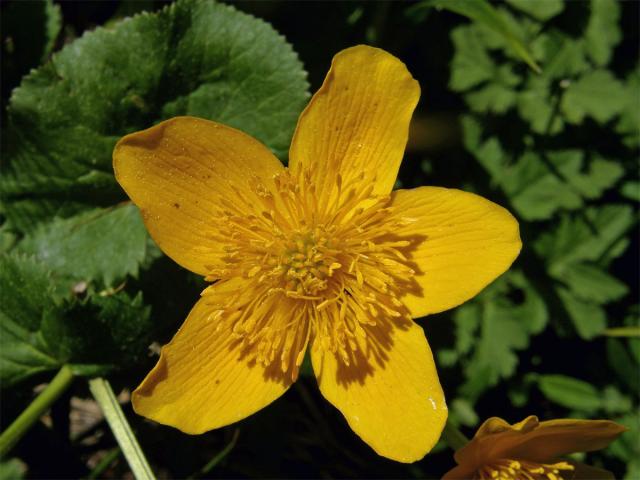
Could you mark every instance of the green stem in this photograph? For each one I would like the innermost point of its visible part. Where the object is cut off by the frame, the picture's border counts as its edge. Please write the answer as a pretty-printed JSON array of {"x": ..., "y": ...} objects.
[
  {"x": 454, "y": 437},
  {"x": 35, "y": 410},
  {"x": 106, "y": 461},
  {"x": 221, "y": 454},
  {"x": 102, "y": 392}
]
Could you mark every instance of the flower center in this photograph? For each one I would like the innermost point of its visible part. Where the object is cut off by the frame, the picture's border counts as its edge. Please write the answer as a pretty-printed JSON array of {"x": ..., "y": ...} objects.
[
  {"x": 506, "y": 469},
  {"x": 329, "y": 267},
  {"x": 307, "y": 264}
]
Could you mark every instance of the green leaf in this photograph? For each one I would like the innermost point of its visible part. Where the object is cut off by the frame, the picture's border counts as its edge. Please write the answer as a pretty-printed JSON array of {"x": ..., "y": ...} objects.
[
  {"x": 471, "y": 64},
  {"x": 94, "y": 335},
  {"x": 588, "y": 318},
  {"x": 12, "y": 469},
  {"x": 597, "y": 94},
  {"x": 603, "y": 33},
  {"x": 505, "y": 327},
  {"x": 631, "y": 190},
  {"x": 570, "y": 392},
  {"x": 615, "y": 402},
  {"x": 100, "y": 333},
  {"x": 25, "y": 296},
  {"x": 463, "y": 412},
  {"x": 626, "y": 447},
  {"x": 629, "y": 124},
  {"x": 586, "y": 237},
  {"x": 102, "y": 245},
  {"x": 590, "y": 282},
  {"x": 541, "y": 9},
  {"x": 498, "y": 96},
  {"x": 483, "y": 12},
  {"x": 535, "y": 105},
  {"x": 536, "y": 192},
  {"x": 623, "y": 363},
  {"x": 66, "y": 117},
  {"x": 562, "y": 56}
]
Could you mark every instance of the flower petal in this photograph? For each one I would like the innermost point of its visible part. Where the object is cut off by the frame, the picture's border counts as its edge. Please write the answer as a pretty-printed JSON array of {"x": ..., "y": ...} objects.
[
  {"x": 177, "y": 171},
  {"x": 394, "y": 402},
  {"x": 202, "y": 380},
  {"x": 358, "y": 122},
  {"x": 463, "y": 242},
  {"x": 531, "y": 440},
  {"x": 556, "y": 438}
]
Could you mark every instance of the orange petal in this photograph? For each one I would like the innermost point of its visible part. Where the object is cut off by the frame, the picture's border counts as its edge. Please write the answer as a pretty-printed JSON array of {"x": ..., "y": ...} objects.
[
  {"x": 392, "y": 399},
  {"x": 203, "y": 380},
  {"x": 357, "y": 123},
  {"x": 556, "y": 438},
  {"x": 542, "y": 442},
  {"x": 177, "y": 171},
  {"x": 463, "y": 243}
]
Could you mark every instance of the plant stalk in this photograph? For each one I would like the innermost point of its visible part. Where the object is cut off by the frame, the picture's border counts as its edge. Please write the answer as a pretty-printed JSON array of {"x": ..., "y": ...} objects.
[
  {"x": 36, "y": 409},
  {"x": 102, "y": 392},
  {"x": 454, "y": 437}
]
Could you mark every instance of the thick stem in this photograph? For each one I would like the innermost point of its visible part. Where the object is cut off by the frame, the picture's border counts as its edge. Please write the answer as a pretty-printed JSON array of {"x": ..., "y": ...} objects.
[
  {"x": 102, "y": 392},
  {"x": 35, "y": 410},
  {"x": 454, "y": 437}
]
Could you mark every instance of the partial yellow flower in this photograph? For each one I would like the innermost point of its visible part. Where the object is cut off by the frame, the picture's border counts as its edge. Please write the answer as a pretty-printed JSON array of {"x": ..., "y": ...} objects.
[
  {"x": 321, "y": 255},
  {"x": 533, "y": 450}
]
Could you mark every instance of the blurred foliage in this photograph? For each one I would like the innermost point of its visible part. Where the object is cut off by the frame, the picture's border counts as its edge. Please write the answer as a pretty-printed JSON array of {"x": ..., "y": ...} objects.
[{"x": 533, "y": 104}]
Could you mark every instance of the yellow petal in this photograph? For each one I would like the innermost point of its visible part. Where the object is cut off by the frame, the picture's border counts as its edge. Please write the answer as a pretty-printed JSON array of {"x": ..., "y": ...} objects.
[
  {"x": 358, "y": 122},
  {"x": 202, "y": 380},
  {"x": 177, "y": 171},
  {"x": 463, "y": 242},
  {"x": 393, "y": 401}
]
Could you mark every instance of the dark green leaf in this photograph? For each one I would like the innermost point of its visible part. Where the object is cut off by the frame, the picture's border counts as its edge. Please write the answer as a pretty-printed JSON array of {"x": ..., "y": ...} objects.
[
  {"x": 25, "y": 296},
  {"x": 66, "y": 117},
  {"x": 103, "y": 245},
  {"x": 623, "y": 363},
  {"x": 100, "y": 333},
  {"x": 95, "y": 335}
]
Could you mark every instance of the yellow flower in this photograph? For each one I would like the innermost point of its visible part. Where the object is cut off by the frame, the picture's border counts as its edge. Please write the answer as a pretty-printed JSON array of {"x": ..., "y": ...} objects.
[
  {"x": 532, "y": 450},
  {"x": 321, "y": 255}
]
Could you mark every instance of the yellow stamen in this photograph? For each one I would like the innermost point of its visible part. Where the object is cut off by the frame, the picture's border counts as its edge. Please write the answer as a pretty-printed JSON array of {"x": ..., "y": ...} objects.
[
  {"x": 523, "y": 470},
  {"x": 312, "y": 253}
]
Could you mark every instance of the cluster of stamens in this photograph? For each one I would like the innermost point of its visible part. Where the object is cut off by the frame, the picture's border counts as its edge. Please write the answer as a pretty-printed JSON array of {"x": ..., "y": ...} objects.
[
  {"x": 506, "y": 469},
  {"x": 327, "y": 267}
]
